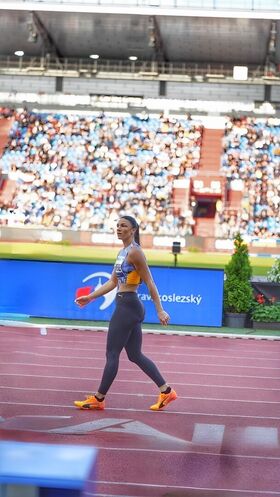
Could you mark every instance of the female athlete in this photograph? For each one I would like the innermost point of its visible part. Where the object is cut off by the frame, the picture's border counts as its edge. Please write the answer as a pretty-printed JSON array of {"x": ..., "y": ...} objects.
[{"x": 125, "y": 325}]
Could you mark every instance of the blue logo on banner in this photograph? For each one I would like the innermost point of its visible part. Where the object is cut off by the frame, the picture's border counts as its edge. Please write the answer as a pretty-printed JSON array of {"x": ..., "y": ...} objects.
[{"x": 48, "y": 289}]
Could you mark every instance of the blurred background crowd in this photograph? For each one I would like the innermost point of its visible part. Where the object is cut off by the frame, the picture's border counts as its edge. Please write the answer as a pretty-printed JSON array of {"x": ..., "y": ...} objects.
[{"x": 82, "y": 171}]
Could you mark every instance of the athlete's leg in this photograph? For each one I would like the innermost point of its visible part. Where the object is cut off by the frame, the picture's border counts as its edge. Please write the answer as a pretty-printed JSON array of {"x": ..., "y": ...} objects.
[
  {"x": 118, "y": 332},
  {"x": 119, "y": 329},
  {"x": 134, "y": 354},
  {"x": 133, "y": 349},
  {"x": 121, "y": 324},
  {"x": 129, "y": 311}
]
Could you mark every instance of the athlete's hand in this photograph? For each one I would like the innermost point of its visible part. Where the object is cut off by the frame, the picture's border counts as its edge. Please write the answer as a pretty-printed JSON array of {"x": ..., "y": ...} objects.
[
  {"x": 163, "y": 317},
  {"x": 82, "y": 301}
]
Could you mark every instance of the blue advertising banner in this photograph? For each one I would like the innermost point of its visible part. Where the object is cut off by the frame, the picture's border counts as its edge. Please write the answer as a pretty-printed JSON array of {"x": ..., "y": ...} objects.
[{"x": 48, "y": 289}]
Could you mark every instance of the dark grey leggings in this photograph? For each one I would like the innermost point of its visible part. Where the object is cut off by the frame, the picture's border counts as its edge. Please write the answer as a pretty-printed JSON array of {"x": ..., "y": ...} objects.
[{"x": 125, "y": 332}]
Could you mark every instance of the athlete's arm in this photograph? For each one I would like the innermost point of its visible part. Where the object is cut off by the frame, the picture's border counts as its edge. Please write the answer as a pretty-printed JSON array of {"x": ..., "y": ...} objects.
[
  {"x": 137, "y": 258},
  {"x": 102, "y": 290}
]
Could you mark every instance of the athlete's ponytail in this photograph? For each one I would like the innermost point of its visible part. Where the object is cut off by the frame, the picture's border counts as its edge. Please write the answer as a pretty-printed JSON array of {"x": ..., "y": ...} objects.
[
  {"x": 134, "y": 225},
  {"x": 137, "y": 235}
]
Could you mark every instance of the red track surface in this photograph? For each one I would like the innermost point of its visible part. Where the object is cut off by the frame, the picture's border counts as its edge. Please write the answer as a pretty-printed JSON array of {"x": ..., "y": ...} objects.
[{"x": 219, "y": 439}]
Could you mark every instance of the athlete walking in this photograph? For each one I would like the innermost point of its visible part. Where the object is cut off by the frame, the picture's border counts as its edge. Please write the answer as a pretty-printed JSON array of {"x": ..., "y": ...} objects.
[{"x": 125, "y": 325}]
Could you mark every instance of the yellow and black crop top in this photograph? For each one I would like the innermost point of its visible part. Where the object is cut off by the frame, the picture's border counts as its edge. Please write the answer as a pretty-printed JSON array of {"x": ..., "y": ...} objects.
[{"x": 125, "y": 272}]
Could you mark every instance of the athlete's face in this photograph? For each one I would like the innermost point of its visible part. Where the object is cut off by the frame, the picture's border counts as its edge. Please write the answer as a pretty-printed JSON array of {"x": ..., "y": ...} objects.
[{"x": 125, "y": 231}]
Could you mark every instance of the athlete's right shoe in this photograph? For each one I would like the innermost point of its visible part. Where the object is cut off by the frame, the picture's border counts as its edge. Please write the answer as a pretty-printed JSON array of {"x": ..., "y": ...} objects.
[
  {"x": 163, "y": 400},
  {"x": 90, "y": 402}
]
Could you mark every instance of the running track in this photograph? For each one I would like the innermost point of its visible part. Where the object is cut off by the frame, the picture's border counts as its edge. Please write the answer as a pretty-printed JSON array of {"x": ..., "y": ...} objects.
[{"x": 219, "y": 439}]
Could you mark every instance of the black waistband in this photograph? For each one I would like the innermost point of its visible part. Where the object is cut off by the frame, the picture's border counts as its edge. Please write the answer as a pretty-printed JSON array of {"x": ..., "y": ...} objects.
[{"x": 122, "y": 295}]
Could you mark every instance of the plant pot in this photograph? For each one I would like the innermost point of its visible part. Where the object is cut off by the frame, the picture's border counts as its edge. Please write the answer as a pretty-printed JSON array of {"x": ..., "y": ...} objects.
[
  {"x": 235, "y": 319},
  {"x": 264, "y": 325}
]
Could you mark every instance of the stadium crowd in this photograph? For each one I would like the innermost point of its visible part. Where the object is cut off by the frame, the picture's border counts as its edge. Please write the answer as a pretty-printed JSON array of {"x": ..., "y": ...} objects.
[
  {"x": 251, "y": 161},
  {"x": 82, "y": 172}
]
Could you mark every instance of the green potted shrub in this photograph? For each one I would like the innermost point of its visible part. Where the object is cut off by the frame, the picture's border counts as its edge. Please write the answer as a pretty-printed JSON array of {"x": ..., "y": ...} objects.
[{"x": 238, "y": 292}]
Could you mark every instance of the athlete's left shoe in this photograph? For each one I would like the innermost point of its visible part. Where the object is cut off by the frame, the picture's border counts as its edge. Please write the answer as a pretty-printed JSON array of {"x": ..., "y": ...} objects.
[
  {"x": 90, "y": 402},
  {"x": 163, "y": 400}
]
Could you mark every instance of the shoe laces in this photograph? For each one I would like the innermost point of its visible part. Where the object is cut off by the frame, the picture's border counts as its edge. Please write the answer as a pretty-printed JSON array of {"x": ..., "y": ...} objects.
[{"x": 89, "y": 396}]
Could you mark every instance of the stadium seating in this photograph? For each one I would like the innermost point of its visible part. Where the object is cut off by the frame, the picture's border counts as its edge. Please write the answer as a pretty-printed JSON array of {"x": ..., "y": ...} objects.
[
  {"x": 82, "y": 171},
  {"x": 251, "y": 162}
]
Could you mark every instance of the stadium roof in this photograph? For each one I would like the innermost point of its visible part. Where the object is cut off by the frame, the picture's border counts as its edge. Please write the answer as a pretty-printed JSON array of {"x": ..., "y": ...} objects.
[{"x": 202, "y": 40}]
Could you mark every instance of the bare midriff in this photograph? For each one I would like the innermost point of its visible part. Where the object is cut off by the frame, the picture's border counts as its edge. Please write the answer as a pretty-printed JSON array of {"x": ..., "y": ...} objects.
[{"x": 127, "y": 288}]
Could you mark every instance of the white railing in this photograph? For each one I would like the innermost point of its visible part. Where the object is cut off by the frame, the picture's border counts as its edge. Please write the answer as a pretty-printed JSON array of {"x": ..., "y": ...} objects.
[
  {"x": 77, "y": 67},
  {"x": 248, "y": 5}
]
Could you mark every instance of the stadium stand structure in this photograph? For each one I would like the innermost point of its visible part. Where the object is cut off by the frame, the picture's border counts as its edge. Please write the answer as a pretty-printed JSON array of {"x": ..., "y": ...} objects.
[{"x": 208, "y": 187}]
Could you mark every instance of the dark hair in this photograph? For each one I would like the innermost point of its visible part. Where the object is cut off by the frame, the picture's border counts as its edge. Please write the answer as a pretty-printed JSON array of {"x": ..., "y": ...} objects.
[{"x": 135, "y": 225}]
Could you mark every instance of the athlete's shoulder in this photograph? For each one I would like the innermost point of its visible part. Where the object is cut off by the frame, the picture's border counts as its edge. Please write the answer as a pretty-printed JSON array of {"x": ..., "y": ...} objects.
[
  {"x": 136, "y": 252},
  {"x": 135, "y": 247}
]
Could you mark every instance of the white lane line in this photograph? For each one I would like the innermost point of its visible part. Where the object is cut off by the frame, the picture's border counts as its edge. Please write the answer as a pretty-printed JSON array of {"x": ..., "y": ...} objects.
[
  {"x": 187, "y": 348},
  {"x": 83, "y": 357},
  {"x": 39, "y": 346},
  {"x": 198, "y": 356},
  {"x": 136, "y": 381},
  {"x": 130, "y": 370},
  {"x": 132, "y": 410},
  {"x": 245, "y": 493},
  {"x": 203, "y": 385},
  {"x": 210, "y": 399},
  {"x": 143, "y": 485},
  {"x": 180, "y": 487}
]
